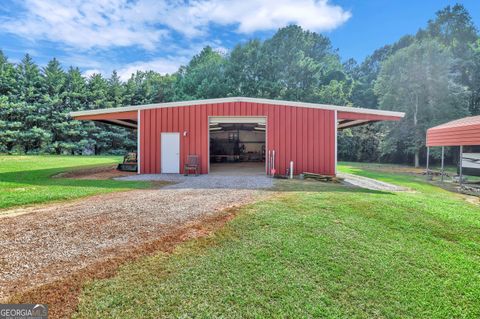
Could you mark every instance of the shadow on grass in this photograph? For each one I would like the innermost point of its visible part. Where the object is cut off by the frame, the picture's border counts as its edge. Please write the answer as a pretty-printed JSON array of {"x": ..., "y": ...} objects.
[{"x": 43, "y": 177}]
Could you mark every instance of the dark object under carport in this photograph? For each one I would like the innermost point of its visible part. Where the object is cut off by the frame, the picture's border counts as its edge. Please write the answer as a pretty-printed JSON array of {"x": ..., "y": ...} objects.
[{"x": 129, "y": 163}]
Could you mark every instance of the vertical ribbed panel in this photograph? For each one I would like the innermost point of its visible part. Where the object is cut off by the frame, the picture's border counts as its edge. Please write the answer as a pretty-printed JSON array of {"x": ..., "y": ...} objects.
[{"x": 305, "y": 136}]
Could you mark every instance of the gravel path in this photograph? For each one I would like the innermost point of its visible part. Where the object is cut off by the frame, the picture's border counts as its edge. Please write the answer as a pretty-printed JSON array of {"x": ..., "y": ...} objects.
[
  {"x": 206, "y": 181},
  {"x": 370, "y": 183},
  {"x": 53, "y": 241}
]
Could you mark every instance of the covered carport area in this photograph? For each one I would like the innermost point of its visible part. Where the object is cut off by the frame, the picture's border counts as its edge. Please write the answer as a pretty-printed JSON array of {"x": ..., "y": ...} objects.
[
  {"x": 126, "y": 119},
  {"x": 459, "y": 133}
]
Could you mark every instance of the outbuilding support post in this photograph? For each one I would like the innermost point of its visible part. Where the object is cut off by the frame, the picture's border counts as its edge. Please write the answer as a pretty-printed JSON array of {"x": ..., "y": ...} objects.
[
  {"x": 443, "y": 155},
  {"x": 460, "y": 168},
  {"x": 139, "y": 129},
  {"x": 428, "y": 158}
]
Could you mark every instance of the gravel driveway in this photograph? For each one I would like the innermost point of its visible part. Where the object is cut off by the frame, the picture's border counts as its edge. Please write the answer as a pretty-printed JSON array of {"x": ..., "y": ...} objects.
[
  {"x": 205, "y": 181},
  {"x": 53, "y": 241}
]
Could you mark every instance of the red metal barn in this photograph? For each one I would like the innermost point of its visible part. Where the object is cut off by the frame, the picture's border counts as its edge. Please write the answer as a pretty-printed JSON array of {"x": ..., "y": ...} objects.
[{"x": 238, "y": 129}]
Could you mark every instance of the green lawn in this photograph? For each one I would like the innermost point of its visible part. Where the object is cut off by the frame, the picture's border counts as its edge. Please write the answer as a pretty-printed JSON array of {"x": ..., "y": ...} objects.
[
  {"x": 27, "y": 179},
  {"x": 317, "y": 250}
]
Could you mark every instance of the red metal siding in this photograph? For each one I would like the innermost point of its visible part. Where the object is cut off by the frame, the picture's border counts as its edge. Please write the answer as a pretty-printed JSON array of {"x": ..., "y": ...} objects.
[{"x": 303, "y": 135}]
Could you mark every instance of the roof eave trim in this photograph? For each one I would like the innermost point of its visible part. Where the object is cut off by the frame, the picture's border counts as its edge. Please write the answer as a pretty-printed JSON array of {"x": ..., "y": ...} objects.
[
  {"x": 460, "y": 127},
  {"x": 239, "y": 99}
]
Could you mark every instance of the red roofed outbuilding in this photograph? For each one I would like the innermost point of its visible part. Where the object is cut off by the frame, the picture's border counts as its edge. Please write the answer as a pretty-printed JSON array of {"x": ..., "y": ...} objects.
[{"x": 465, "y": 131}]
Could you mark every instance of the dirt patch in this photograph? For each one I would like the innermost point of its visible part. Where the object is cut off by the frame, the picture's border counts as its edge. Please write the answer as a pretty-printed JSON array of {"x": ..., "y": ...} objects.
[
  {"x": 62, "y": 295},
  {"x": 472, "y": 200},
  {"x": 405, "y": 170},
  {"x": 455, "y": 188},
  {"x": 99, "y": 173}
]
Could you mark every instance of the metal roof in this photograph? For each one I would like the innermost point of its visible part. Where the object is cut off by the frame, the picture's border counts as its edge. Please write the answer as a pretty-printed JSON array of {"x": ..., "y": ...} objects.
[
  {"x": 240, "y": 99},
  {"x": 471, "y": 120},
  {"x": 464, "y": 131}
]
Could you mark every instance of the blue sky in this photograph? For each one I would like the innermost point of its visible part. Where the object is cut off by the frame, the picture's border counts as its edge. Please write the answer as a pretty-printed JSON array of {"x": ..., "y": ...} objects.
[{"x": 126, "y": 35}]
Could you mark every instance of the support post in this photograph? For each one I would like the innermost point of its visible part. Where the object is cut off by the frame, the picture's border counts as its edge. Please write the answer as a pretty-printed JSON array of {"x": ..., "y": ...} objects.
[
  {"x": 139, "y": 129},
  {"x": 443, "y": 156},
  {"x": 428, "y": 158},
  {"x": 269, "y": 163},
  {"x": 460, "y": 163},
  {"x": 273, "y": 163}
]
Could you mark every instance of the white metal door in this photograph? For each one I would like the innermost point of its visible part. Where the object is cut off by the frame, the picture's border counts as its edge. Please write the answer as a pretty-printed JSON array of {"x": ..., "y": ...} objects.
[{"x": 170, "y": 148}]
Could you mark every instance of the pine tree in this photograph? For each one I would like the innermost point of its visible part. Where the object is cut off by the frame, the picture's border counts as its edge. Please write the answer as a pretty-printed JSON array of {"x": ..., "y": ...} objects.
[
  {"x": 77, "y": 138},
  {"x": 34, "y": 135},
  {"x": 116, "y": 90},
  {"x": 53, "y": 101},
  {"x": 8, "y": 77},
  {"x": 10, "y": 119}
]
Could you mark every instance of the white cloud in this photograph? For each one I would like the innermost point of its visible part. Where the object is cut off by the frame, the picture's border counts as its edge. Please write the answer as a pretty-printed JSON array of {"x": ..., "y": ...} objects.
[
  {"x": 101, "y": 64},
  {"x": 162, "y": 65},
  {"x": 176, "y": 29},
  {"x": 85, "y": 24},
  {"x": 146, "y": 23},
  {"x": 90, "y": 72},
  {"x": 79, "y": 60},
  {"x": 261, "y": 15}
]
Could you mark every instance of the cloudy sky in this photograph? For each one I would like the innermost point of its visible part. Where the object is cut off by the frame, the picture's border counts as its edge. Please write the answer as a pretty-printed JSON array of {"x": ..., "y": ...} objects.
[{"x": 128, "y": 35}]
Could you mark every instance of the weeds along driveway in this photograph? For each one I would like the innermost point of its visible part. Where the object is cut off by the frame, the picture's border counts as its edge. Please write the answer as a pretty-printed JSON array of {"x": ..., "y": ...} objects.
[{"x": 52, "y": 242}]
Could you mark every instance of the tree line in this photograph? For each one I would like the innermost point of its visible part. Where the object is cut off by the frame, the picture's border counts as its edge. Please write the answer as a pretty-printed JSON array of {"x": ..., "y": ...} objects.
[{"x": 432, "y": 76}]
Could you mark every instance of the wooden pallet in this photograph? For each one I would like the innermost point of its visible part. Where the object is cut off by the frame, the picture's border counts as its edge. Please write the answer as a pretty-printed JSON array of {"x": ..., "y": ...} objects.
[{"x": 321, "y": 178}]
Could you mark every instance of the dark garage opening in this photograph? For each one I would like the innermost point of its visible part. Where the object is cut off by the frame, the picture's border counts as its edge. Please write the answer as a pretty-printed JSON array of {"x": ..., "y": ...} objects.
[{"x": 237, "y": 148}]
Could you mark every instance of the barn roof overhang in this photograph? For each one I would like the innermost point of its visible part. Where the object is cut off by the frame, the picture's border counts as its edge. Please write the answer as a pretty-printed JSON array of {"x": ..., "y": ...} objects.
[
  {"x": 121, "y": 118},
  {"x": 348, "y": 119},
  {"x": 461, "y": 132},
  {"x": 346, "y": 116}
]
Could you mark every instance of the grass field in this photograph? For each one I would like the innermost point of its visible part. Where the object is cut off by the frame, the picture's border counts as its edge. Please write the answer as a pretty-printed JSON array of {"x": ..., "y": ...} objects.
[
  {"x": 316, "y": 250},
  {"x": 27, "y": 179}
]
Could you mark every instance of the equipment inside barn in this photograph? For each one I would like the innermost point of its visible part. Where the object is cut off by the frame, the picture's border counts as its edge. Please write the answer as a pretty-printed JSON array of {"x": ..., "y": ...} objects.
[{"x": 237, "y": 142}]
